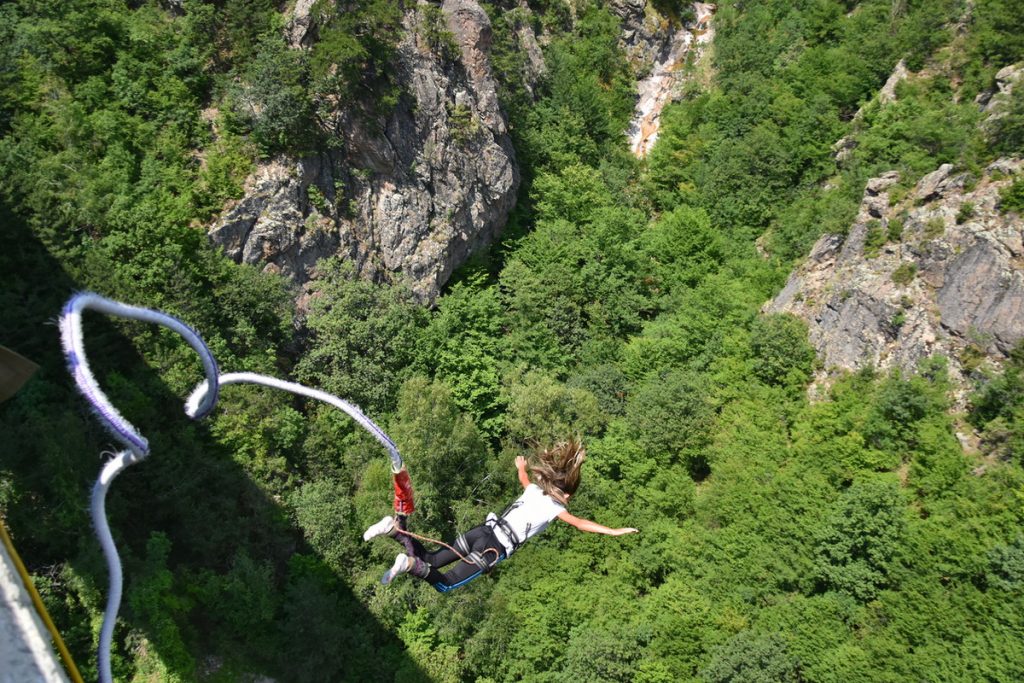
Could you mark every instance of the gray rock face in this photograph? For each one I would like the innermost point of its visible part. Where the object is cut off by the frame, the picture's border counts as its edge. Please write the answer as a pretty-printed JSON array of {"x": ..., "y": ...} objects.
[
  {"x": 950, "y": 283},
  {"x": 843, "y": 148},
  {"x": 411, "y": 194},
  {"x": 534, "y": 66},
  {"x": 1006, "y": 78},
  {"x": 982, "y": 296}
]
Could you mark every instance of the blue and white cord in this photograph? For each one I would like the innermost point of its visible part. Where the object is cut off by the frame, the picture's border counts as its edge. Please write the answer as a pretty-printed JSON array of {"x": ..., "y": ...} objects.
[
  {"x": 201, "y": 394},
  {"x": 136, "y": 447},
  {"x": 200, "y": 403}
]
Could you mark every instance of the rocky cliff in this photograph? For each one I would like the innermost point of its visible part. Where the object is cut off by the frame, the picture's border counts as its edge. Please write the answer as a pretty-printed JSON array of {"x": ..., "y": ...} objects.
[
  {"x": 659, "y": 49},
  {"x": 939, "y": 271},
  {"x": 411, "y": 193}
]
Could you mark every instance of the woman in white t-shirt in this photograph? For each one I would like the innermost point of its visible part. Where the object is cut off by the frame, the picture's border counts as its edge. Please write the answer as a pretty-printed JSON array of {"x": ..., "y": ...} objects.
[{"x": 556, "y": 476}]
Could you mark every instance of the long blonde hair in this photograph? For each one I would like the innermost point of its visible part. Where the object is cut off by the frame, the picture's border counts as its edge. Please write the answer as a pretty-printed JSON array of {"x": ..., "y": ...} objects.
[{"x": 557, "y": 469}]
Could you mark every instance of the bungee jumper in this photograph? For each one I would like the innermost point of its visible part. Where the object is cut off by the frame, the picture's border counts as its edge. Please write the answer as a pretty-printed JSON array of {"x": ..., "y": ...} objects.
[
  {"x": 557, "y": 472},
  {"x": 556, "y": 476}
]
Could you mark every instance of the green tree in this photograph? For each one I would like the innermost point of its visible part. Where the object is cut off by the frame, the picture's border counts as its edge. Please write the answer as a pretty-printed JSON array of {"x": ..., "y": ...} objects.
[
  {"x": 670, "y": 416},
  {"x": 544, "y": 410},
  {"x": 462, "y": 344},
  {"x": 782, "y": 355},
  {"x": 157, "y": 605},
  {"x": 997, "y": 407},
  {"x": 444, "y": 449},
  {"x": 605, "y": 653},
  {"x": 683, "y": 247},
  {"x": 1006, "y": 566},
  {"x": 859, "y": 549},
  {"x": 751, "y": 657},
  {"x": 363, "y": 337},
  {"x": 273, "y": 99},
  {"x": 324, "y": 512}
]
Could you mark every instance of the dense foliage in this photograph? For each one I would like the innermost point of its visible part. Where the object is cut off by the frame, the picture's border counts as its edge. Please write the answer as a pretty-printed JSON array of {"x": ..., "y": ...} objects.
[{"x": 850, "y": 539}]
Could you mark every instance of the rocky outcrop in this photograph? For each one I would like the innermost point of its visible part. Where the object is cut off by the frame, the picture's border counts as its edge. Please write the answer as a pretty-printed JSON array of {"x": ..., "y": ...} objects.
[
  {"x": 941, "y": 271},
  {"x": 408, "y": 194},
  {"x": 843, "y": 148},
  {"x": 658, "y": 49},
  {"x": 300, "y": 28},
  {"x": 534, "y": 67},
  {"x": 995, "y": 103},
  {"x": 888, "y": 92},
  {"x": 1006, "y": 78}
]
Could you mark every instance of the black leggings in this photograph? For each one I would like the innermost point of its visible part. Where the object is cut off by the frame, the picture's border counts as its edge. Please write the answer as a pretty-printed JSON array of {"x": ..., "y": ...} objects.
[{"x": 480, "y": 539}]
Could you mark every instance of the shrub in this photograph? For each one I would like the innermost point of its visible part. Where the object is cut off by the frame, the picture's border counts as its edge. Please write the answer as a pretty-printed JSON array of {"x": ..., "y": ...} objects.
[
  {"x": 894, "y": 230},
  {"x": 874, "y": 240},
  {"x": 905, "y": 274},
  {"x": 1011, "y": 199},
  {"x": 934, "y": 227},
  {"x": 965, "y": 213}
]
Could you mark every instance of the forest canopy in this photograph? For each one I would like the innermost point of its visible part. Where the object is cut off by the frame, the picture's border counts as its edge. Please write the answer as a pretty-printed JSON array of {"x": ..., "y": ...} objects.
[{"x": 852, "y": 538}]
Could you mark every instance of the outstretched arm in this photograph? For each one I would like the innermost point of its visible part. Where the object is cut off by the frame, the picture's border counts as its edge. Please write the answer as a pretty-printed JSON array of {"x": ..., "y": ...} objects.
[
  {"x": 524, "y": 478},
  {"x": 593, "y": 527}
]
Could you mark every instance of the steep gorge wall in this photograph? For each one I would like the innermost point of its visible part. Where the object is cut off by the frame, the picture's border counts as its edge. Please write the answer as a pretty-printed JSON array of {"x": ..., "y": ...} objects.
[
  {"x": 409, "y": 194},
  {"x": 413, "y": 193},
  {"x": 938, "y": 270}
]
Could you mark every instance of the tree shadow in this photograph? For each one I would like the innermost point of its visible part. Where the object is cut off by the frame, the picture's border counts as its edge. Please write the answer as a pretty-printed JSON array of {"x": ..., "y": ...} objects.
[{"x": 218, "y": 577}]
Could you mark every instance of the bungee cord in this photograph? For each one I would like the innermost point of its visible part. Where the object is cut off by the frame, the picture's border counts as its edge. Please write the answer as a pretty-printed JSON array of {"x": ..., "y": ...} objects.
[
  {"x": 201, "y": 394},
  {"x": 199, "y": 404},
  {"x": 136, "y": 446},
  {"x": 78, "y": 364}
]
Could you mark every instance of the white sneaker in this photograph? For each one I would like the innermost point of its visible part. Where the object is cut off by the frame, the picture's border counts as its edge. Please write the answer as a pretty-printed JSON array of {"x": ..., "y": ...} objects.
[
  {"x": 384, "y": 526},
  {"x": 403, "y": 563}
]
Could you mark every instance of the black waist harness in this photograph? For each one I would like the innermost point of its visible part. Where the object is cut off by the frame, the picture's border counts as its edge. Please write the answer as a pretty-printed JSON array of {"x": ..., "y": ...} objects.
[
  {"x": 487, "y": 560},
  {"x": 506, "y": 528}
]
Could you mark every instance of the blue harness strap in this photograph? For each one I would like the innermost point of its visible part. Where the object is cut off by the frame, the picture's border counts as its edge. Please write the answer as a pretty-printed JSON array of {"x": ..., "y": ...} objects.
[{"x": 446, "y": 588}]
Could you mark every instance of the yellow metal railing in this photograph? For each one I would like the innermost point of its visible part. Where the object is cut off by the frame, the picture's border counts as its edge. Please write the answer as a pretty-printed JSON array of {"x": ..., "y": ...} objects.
[{"x": 37, "y": 601}]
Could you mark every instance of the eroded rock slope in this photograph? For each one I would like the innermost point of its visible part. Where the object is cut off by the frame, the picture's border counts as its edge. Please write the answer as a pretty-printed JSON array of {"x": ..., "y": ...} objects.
[
  {"x": 410, "y": 194},
  {"x": 937, "y": 271}
]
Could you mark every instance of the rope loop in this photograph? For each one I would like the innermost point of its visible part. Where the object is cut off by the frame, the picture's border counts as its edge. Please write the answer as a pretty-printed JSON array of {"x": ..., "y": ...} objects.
[
  {"x": 78, "y": 364},
  {"x": 136, "y": 447}
]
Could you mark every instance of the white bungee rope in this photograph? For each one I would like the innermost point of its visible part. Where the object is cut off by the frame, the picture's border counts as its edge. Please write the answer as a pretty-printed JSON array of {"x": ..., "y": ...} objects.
[
  {"x": 136, "y": 447},
  {"x": 200, "y": 395}
]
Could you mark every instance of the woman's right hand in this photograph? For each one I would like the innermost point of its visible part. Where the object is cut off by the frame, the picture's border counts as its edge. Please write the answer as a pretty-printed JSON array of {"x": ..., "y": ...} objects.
[
  {"x": 625, "y": 530},
  {"x": 524, "y": 478}
]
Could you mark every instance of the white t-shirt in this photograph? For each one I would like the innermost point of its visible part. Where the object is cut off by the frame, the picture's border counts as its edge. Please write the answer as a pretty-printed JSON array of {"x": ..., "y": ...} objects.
[{"x": 530, "y": 514}]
